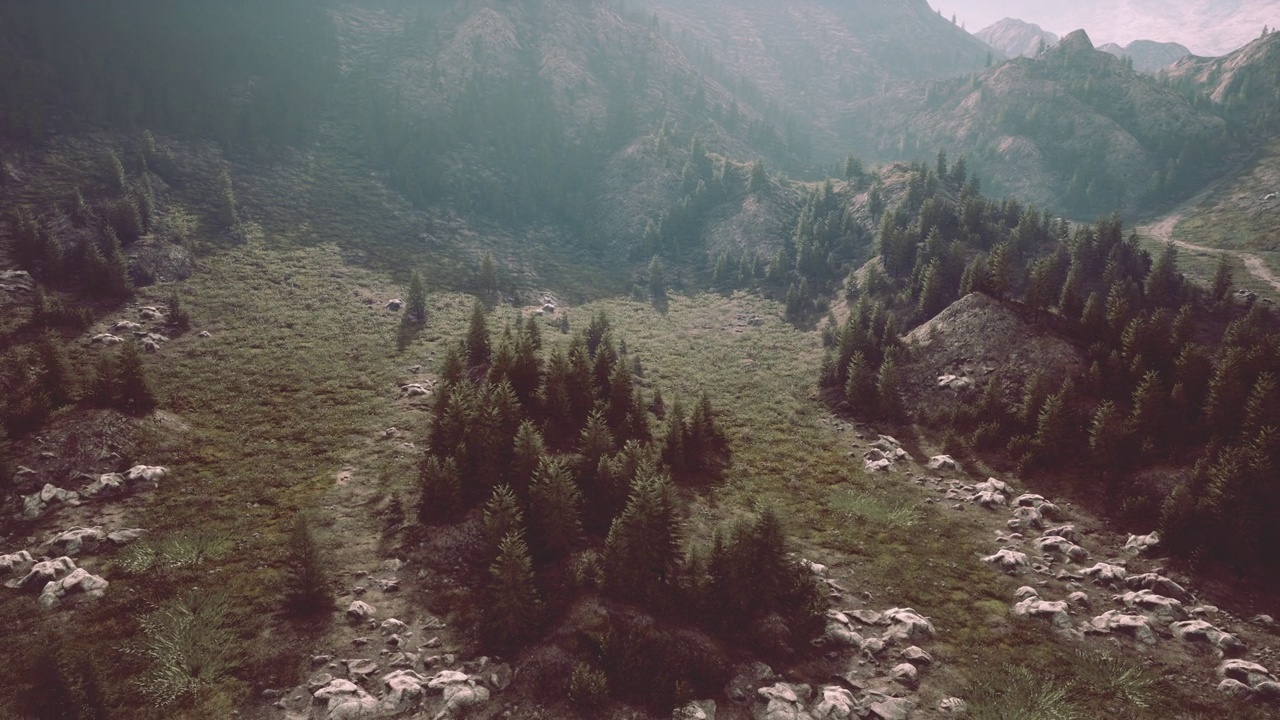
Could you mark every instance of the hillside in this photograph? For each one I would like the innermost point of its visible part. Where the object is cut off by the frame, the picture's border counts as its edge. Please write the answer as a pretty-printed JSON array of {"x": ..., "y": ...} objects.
[
  {"x": 1075, "y": 130},
  {"x": 1017, "y": 38}
]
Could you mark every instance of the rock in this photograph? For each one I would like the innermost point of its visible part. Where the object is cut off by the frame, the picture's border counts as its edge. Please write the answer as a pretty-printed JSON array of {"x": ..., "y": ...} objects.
[
  {"x": 125, "y": 326},
  {"x": 916, "y": 656},
  {"x": 988, "y": 499},
  {"x": 392, "y": 626},
  {"x": 76, "y": 539},
  {"x": 889, "y": 708},
  {"x": 943, "y": 462},
  {"x": 1064, "y": 531},
  {"x": 499, "y": 676},
  {"x": 1026, "y": 591},
  {"x": 395, "y": 305},
  {"x": 906, "y": 674},
  {"x": 1063, "y": 547},
  {"x": 361, "y": 668},
  {"x": 1106, "y": 574},
  {"x": 404, "y": 691},
  {"x": 35, "y": 504},
  {"x": 44, "y": 572},
  {"x": 698, "y": 710},
  {"x": 107, "y": 484},
  {"x": 1160, "y": 584},
  {"x": 906, "y": 625},
  {"x": 415, "y": 390},
  {"x": 1136, "y": 626},
  {"x": 124, "y": 537},
  {"x": 1010, "y": 561},
  {"x": 459, "y": 696},
  {"x": 318, "y": 681},
  {"x": 839, "y": 635},
  {"x": 106, "y": 339},
  {"x": 995, "y": 486},
  {"x": 785, "y": 702},
  {"x": 867, "y": 617},
  {"x": 953, "y": 707},
  {"x": 1225, "y": 643},
  {"x": 1079, "y": 599},
  {"x": 150, "y": 473},
  {"x": 359, "y": 611},
  {"x": 1233, "y": 688},
  {"x": 871, "y": 647},
  {"x": 1149, "y": 602},
  {"x": 834, "y": 703},
  {"x": 16, "y": 563},
  {"x": 1028, "y": 500},
  {"x": 1055, "y": 611},
  {"x": 149, "y": 313},
  {"x": 1139, "y": 544},
  {"x": 205, "y": 334},
  {"x": 955, "y": 382},
  {"x": 389, "y": 585},
  {"x": 346, "y": 701},
  {"x": 79, "y": 581},
  {"x": 1026, "y": 518},
  {"x": 1249, "y": 673},
  {"x": 1267, "y": 690}
]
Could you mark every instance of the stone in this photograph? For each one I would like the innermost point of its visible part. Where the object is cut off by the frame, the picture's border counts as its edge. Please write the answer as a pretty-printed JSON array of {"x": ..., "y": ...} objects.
[
  {"x": 1136, "y": 626},
  {"x": 994, "y": 485},
  {"x": 839, "y": 635},
  {"x": 988, "y": 499},
  {"x": 1064, "y": 531},
  {"x": 395, "y": 305},
  {"x": 1106, "y": 574},
  {"x": 1010, "y": 561},
  {"x": 943, "y": 462},
  {"x": 106, "y": 339},
  {"x": 1157, "y": 605},
  {"x": 1026, "y": 591},
  {"x": 1079, "y": 599},
  {"x": 1026, "y": 518},
  {"x": 361, "y": 668},
  {"x": 1140, "y": 544},
  {"x": 889, "y": 708},
  {"x": 697, "y": 710},
  {"x": 359, "y": 611},
  {"x": 125, "y": 326},
  {"x": 392, "y": 626},
  {"x": 344, "y": 700},
  {"x": 16, "y": 563},
  {"x": 404, "y": 691},
  {"x": 106, "y": 484},
  {"x": 35, "y": 504},
  {"x": 1055, "y": 611},
  {"x": 149, "y": 313},
  {"x": 1265, "y": 622},
  {"x": 867, "y": 617},
  {"x": 79, "y": 581},
  {"x": 871, "y": 647},
  {"x": 124, "y": 537},
  {"x": 953, "y": 707},
  {"x": 71, "y": 542},
  {"x": 906, "y": 674},
  {"x": 318, "y": 681},
  {"x": 1160, "y": 584},
  {"x": 499, "y": 676},
  {"x": 1233, "y": 688},
  {"x": 204, "y": 334},
  {"x": 906, "y": 625},
  {"x": 957, "y": 383},
  {"x": 1029, "y": 500},
  {"x": 1062, "y": 546},
  {"x": 1249, "y": 673},
  {"x": 44, "y": 572},
  {"x": 1267, "y": 690},
  {"x": 458, "y": 698},
  {"x": 917, "y": 656},
  {"x": 150, "y": 473},
  {"x": 1225, "y": 643}
]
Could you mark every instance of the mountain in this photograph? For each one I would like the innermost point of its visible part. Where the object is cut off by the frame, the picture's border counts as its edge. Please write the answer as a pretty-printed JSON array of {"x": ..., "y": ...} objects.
[
  {"x": 1014, "y": 38},
  {"x": 814, "y": 56},
  {"x": 1075, "y": 129},
  {"x": 1148, "y": 56},
  {"x": 1242, "y": 85}
]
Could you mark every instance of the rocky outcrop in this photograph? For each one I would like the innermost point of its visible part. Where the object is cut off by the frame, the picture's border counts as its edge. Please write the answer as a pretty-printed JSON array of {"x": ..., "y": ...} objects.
[{"x": 80, "y": 581}]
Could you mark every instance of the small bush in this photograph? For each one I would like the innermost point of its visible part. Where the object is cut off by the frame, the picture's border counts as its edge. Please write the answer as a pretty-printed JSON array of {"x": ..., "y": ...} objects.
[
  {"x": 588, "y": 686},
  {"x": 190, "y": 646}
]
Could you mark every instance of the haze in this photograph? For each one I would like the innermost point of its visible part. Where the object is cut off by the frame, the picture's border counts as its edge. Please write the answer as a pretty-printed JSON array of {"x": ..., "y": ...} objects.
[{"x": 1207, "y": 27}]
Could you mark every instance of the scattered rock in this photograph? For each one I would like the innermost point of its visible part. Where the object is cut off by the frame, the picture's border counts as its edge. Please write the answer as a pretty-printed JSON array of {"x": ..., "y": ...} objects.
[
  {"x": 1233, "y": 688},
  {"x": 346, "y": 701},
  {"x": 1064, "y": 531},
  {"x": 359, "y": 611},
  {"x": 916, "y": 656},
  {"x": 1112, "y": 621},
  {"x": 395, "y": 305},
  {"x": 35, "y": 504},
  {"x": 1249, "y": 673},
  {"x": 1107, "y": 574},
  {"x": 889, "y": 708},
  {"x": 1079, "y": 599},
  {"x": 1026, "y": 518},
  {"x": 906, "y": 674},
  {"x": 953, "y": 707},
  {"x": 1200, "y": 631},
  {"x": 1010, "y": 561},
  {"x": 1265, "y": 622},
  {"x": 125, "y": 326},
  {"x": 1160, "y": 584},
  {"x": 105, "y": 485},
  {"x": 16, "y": 563},
  {"x": 943, "y": 462},
  {"x": 698, "y": 710},
  {"x": 415, "y": 390},
  {"x": 124, "y": 537},
  {"x": 1055, "y": 611},
  {"x": 906, "y": 625},
  {"x": 957, "y": 383},
  {"x": 204, "y": 334},
  {"x": 404, "y": 691},
  {"x": 834, "y": 703},
  {"x": 1151, "y": 603},
  {"x": 459, "y": 692},
  {"x": 106, "y": 339},
  {"x": 150, "y": 313},
  {"x": 1139, "y": 544},
  {"x": 150, "y": 473},
  {"x": 44, "y": 572},
  {"x": 72, "y": 541},
  {"x": 79, "y": 581},
  {"x": 1063, "y": 547},
  {"x": 867, "y": 617},
  {"x": 361, "y": 669}
]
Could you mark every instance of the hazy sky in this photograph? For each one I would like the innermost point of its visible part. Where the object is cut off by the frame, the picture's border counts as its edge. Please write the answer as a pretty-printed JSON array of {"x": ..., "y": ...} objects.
[{"x": 1207, "y": 27}]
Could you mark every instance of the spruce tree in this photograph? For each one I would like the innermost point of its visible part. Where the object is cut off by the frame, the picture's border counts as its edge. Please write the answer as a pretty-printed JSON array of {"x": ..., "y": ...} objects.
[
  {"x": 1222, "y": 280},
  {"x": 529, "y": 453},
  {"x": 643, "y": 544},
  {"x": 307, "y": 588},
  {"x": 478, "y": 352},
  {"x": 657, "y": 280},
  {"x": 440, "y": 483},
  {"x": 53, "y": 377},
  {"x": 135, "y": 390},
  {"x": 502, "y": 516},
  {"x": 512, "y": 609},
  {"x": 555, "y": 509},
  {"x": 488, "y": 278},
  {"x": 416, "y": 309},
  {"x": 888, "y": 390}
]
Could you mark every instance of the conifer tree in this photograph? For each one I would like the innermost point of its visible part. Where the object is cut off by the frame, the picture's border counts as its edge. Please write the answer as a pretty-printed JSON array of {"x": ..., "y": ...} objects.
[
  {"x": 440, "y": 483},
  {"x": 307, "y": 588},
  {"x": 657, "y": 280},
  {"x": 488, "y": 278},
  {"x": 1222, "y": 280},
  {"x": 888, "y": 389},
  {"x": 555, "y": 510},
  {"x": 478, "y": 353},
  {"x": 416, "y": 308},
  {"x": 52, "y": 375},
  {"x": 502, "y": 516},
  {"x": 513, "y": 608},
  {"x": 529, "y": 453},
  {"x": 643, "y": 544},
  {"x": 135, "y": 390},
  {"x": 229, "y": 210}
]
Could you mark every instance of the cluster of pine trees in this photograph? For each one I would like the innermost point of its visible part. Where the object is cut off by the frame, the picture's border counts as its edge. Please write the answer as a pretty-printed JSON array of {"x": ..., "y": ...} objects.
[
  {"x": 579, "y": 474},
  {"x": 1177, "y": 374}
]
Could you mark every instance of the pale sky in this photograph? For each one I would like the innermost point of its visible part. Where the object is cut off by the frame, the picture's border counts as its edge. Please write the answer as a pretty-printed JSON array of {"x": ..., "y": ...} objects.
[{"x": 1207, "y": 27}]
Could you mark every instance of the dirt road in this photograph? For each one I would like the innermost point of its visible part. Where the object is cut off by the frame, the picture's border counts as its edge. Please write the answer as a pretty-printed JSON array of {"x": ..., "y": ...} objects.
[{"x": 1163, "y": 231}]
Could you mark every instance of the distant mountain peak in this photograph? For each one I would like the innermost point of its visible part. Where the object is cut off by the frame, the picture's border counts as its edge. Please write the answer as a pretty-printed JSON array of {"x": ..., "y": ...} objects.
[
  {"x": 1013, "y": 37},
  {"x": 1148, "y": 56},
  {"x": 1074, "y": 42}
]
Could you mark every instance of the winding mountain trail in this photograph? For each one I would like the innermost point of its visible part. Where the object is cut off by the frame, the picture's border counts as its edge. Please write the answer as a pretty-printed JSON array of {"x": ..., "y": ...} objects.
[{"x": 1163, "y": 231}]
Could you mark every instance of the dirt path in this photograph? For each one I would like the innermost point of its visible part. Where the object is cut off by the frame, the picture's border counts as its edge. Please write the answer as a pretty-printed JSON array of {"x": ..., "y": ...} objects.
[{"x": 1163, "y": 231}]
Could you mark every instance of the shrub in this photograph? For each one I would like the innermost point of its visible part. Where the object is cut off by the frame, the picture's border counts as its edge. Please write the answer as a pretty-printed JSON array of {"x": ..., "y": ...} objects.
[
  {"x": 588, "y": 686},
  {"x": 307, "y": 588}
]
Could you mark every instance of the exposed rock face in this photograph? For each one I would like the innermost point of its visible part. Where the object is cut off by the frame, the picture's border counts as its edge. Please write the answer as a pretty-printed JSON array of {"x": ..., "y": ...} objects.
[
  {"x": 35, "y": 504},
  {"x": 1141, "y": 544},
  {"x": 345, "y": 700},
  {"x": 1225, "y": 643},
  {"x": 1148, "y": 56},
  {"x": 1014, "y": 38},
  {"x": 79, "y": 581},
  {"x": 77, "y": 539},
  {"x": 44, "y": 572}
]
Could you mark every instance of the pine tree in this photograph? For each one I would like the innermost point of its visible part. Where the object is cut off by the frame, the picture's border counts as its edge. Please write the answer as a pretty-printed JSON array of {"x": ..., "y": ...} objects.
[
  {"x": 555, "y": 509},
  {"x": 134, "y": 388},
  {"x": 229, "y": 211},
  {"x": 307, "y": 589},
  {"x": 657, "y": 280},
  {"x": 478, "y": 353},
  {"x": 888, "y": 389},
  {"x": 502, "y": 516},
  {"x": 103, "y": 388},
  {"x": 513, "y": 608},
  {"x": 529, "y": 453},
  {"x": 416, "y": 312},
  {"x": 52, "y": 375},
  {"x": 643, "y": 544},
  {"x": 488, "y": 278},
  {"x": 1222, "y": 280},
  {"x": 1164, "y": 284},
  {"x": 758, "y": 180},
  {"x": 440, "y": 483},
  {"x": 1000, "y": 270}
]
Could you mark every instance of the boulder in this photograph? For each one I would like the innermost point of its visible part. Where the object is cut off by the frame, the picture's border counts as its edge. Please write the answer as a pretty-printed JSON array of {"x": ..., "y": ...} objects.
[
  {"x": 204, "y": 334},
  {"x": 35, "y": 504},
  {"x": 125, "y": 326},
  {"x": 150, "y": 313},
  {"x": 16, "y": 563},
  {"x": 1106, "y": 574},
  {"x": 1234, "y": 688},
  {"x": 1249, "y": 673},
  {"x": 1064, "y": 531},
  {"x": 1225, "y": 643},
  {"x": 359, "y": 611},
  {"x": 458, "y": 698},
  {"x": 1054, "y": 611},
  {"x": 867, "y": 617},
  {"x": 1079, "y": 599},
  {"x": 345, "y": 700},
  {"x": 392, "y": 626},
  {"x": 106, "y": 484},
  {"x": 871, "y": 647},
  {"x": 906, "y": 674},
  {"x": 1026, "y": 591},
  {"x": 1026, "y": 518},
  {"x": 415, "y": 390},
  {"x": 150, "y": 473},
  {"x": 1135, "y": 626},
  {"x": 988, "y": 499},
  {"x": 361, "y": 669},
  {"x": 953, "y": 707},
  {"x": 994, "y": 485},
  {"x": 906, "y": 626},
  {"x": 1029, "y": 500},
  {"x": 889, "y": 708},
  {"x": 834, "y": 703},
  {"x": 1160, "y": 584},
  {"x": 79, "y": 581},
  {"x": 1153, "y": 604},
  {"x": 77, "y": 539},
  {"x": 1064, "y": 547},
  {"x": 958, "y": 383},
  {"x": 1010, "y": 561},
  {"x": 1267, "y": 690},
  {"x": 43, "y": 573},
  {"x": 784, "y": 702},
  {"x": 1140, "y": 544},
  {"x": 124, "y": 537},
  {"x": 916, "y": 656},
  {"x": 838, "y": 635},
  {"x": 698, "y": 710},
  {"x": 404, "y": 691},
  {"x": 106, "y": 339},
  {"x": 395, "y": 305},
  {"x": 943, "y": 462}
]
